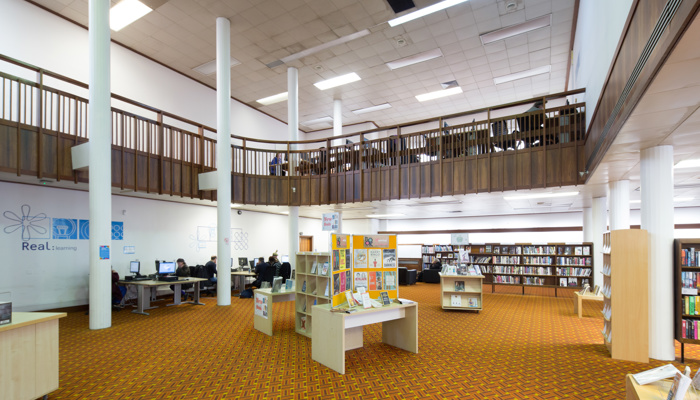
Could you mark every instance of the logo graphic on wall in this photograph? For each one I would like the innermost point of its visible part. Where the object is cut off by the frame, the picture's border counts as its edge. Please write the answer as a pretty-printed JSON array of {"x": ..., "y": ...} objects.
[
  {"x": 207, "y": 234},
  {"x": 32, "y": 226},
  {"x": 40, "y": 226}
]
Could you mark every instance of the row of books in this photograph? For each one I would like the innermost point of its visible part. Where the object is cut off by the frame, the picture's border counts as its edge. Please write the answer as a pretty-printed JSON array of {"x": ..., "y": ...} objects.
[
  {"x": 446, "y": 255},
  {"x": 689, "y": 329},
  {"x": 539, "y": 250},
  {"x": 480, "y": 259},
  {"x": 574, "y": 261},
  {"x": 607, "y": 331},
  {"x": 515, "y": 280},
  {"x": 538, "y": 260},
  {"x": 537, "y": 270},
  {"x": 570, "y": 282},
  {"x": 607, "y": 311},
  {"x": 691, "y": 305},
  {"x": 320, "y": 269},
  {"x": 574, "y": 271},
  {"x": 506, "y": 259},
  {"x": 533, "y": 280},
  {"x": 690, "y": 257},
  {"x": 553, "y": 250},
  {"x": 504, "y": 269},
  {"x": 690, "y": 279}
]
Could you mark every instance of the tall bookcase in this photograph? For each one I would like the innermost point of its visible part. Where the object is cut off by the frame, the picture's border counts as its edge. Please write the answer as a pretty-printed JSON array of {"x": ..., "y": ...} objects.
[
  {"x": 552, "y": 265},
  {"x": 686, "y": 266},
  {"x": 626, "y": 294},
  {"x": 311, "y": 287}
]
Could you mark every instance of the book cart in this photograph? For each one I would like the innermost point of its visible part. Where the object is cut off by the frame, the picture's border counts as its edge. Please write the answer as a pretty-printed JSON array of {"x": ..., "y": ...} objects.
[
  {"x": 626, "y": 294},
  {"x": 686, "y": 267},
  {"x": 551, "y": 265}
]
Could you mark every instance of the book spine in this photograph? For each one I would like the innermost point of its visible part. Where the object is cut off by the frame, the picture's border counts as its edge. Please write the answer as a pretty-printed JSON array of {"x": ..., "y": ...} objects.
[{"x": 683, "y": 335}]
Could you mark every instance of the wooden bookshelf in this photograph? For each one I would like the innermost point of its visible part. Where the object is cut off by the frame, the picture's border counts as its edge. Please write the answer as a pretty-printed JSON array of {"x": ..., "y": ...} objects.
[
  {"x": 472, "y": 290},
  {"x": 626, "y": 294},
  {"x": 551, "y": 265},
  {"x": 686, "y": 267},
  {"x": 313, "y": 293}
]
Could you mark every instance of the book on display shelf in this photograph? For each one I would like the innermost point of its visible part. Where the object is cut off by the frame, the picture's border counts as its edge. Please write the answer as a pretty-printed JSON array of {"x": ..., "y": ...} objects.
[
  {"x": 289, "y": 284},
  {"x": 324, "y": 269},
  {"x": 459, "y": 286},
  {"x": 303, "y": 287},
  {"x": 276, "y": 284},
  {"x": 313, "y": 267},
  {"x": 456, "y": 300},
  {"x": 385, "y": 298}
]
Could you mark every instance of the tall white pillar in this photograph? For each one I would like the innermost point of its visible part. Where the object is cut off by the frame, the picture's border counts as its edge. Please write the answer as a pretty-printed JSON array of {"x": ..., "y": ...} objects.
[
  {"x": 100, "y": 169},
  {"x": 619, "y": 205},
  {"x": 657, "y": 219},
  {"x": 338, "y": 121},
  {"x": 293, "y": 128},
  {"x": 374, "y": 226},
  {"x": 599, "y": 226},
  {"x": 588, "y": 224},
  {"x": 223, "y": 164}
]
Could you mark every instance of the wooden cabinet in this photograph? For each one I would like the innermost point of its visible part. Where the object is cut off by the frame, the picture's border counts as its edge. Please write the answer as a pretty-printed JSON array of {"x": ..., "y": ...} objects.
[
  {"x": 461, "y": 292},
  {"x": 312, "y": 287},
  {"x": 626, "y": 294}
]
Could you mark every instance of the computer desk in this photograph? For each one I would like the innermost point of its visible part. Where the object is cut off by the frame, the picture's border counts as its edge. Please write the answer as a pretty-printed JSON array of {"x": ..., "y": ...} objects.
[
  {"x": 262, "y": 318},
  {"x": 144, "y": 302},
  {"x": 241, "y": 277}
]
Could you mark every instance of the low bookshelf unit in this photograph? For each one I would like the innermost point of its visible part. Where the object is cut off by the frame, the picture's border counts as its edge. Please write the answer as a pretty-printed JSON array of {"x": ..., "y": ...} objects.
[
  {"x": 461, "y": 292},
  {"x": 313, "y": 287},
  {"x": 551, "y": 265},
  {"x": 686, "y": 266}
]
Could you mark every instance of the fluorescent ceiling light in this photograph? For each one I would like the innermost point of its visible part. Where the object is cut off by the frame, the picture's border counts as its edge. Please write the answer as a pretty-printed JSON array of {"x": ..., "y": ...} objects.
[
  {"x": 424, "y": 11},
  {"x": 371, "y": 109},
  {"x": 234, "y": 205},
  {"x": 635, "y": 201},
  {"x": 688, "y": 164},
  {"x": 513, "y": 30},
  {"x": 325, "y": 46},
  {"x": 384, "y": 215},
  {"x": 317, "y": 121},
  {"x": 209, "y": 68},
  {"x": 273, "y": 99},
  {"x": 414, "y": 59},
  {"x": 540, "y": 196},
  {"x": 681, "y": 199},
  {"x": 285, "y": 212},
  {"x": 438, "y": 94},
  {"x": 337, "y": 81},
  {"x": 126, "y": 12},
  {"x": 522, "y": 74}
]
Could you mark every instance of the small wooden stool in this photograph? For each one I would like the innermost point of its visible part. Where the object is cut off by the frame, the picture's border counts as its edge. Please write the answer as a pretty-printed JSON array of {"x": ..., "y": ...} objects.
[{"x": 578, "y": 301}]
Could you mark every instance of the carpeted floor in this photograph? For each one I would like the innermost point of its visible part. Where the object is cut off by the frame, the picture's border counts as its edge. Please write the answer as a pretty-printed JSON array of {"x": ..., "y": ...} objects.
[{"x": 518, "y": 347}]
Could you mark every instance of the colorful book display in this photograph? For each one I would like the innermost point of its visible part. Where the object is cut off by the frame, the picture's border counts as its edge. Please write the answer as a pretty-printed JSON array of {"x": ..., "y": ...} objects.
[
  {"x": 375, "y": 264},
  {"x": 341, "y": 260}
]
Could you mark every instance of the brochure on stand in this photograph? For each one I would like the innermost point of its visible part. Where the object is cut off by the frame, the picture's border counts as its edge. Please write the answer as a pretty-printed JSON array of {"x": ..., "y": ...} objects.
[
  {"x": 656, "y": 374},
  {"x": 679, "y": 387}
]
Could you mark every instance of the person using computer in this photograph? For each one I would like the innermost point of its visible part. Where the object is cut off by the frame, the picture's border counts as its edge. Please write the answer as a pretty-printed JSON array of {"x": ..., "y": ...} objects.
[
  {"x": 182, "y": 271},
  {"x": 260, "y": 269},
  {"x": 117, "y": 293},
  {"x": 275, "y": 263},
  {"x": 210, "y": 267}
]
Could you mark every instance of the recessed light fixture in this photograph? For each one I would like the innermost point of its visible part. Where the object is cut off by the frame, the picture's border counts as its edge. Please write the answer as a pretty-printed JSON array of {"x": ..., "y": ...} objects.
[
  {"x": 414, "y": 59},
  {"x": 438, "y": 94},
  {"x": 372, "y": 109},
  {"x": 513, "y": 30},
  {"x": 688, "y": 164},
  {"x": 540, "y": 196},
  {"x": 273, "y": 99},
  {"x": 424, "y": 11},
  {"x": 384, "y": 215},
  {"x": 337, "y": 81},
  {"x": 522, "y": 74},
  {"x": 126, "y": 12},
  {"x": 317, "y": 121},
  {"x": 209, "y": 68},
  {"x": 682, "y": 199}
]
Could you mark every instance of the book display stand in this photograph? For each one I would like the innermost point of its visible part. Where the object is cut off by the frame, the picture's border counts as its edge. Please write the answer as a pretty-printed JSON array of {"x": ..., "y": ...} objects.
[
  {"x": 686, "y": 266},
  {"x": 461, "y": 292},
  {"x": 626, "y": 294},
  {"x": 313, "y": 287}
]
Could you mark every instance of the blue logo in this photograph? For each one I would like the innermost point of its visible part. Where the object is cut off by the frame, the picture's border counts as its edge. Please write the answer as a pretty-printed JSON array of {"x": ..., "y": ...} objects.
[
  {"x": 64, "y": 228},
  {"x": 84, "y": 229},
  {"x": 117, "y": 230}
]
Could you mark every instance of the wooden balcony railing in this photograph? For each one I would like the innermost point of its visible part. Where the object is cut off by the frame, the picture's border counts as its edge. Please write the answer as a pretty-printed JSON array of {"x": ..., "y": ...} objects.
[{"x": 157, "y": 152}]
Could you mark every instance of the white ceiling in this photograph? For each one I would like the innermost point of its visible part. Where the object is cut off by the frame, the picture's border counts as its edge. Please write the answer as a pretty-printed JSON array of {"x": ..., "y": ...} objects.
[{"x": 182, "y": 35}]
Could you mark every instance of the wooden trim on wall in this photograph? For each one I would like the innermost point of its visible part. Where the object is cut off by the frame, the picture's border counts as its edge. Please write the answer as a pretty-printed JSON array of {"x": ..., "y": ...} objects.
[{"x": 572, "y": 40}]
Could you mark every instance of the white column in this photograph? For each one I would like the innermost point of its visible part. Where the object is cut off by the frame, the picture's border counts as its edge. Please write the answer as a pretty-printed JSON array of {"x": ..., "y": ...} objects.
[
  {"x": 100, "y": 185},
  {"x": 223, "y": 164},
  {"x": 600, "y": 225},
  {"x": 588, "y": 224},
  {"x": 657, "y": 219},
  {"x": 340, "y": 222},
  {"x": 374, "y": 226},
  {"x": 619, "y": 205},
  {"x": 338, "y": 121},
  {"x": 293, "y": 128}
]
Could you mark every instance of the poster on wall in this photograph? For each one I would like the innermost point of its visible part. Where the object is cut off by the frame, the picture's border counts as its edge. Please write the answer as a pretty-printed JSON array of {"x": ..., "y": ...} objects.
[
  {"x": 360, "y": 258},
  {"x": 390, "y": 258},
  {"x": 377, "y": 255},
  {"x": 458, "y": 239},
  {"x": 261, "y": 305},
  {"x": 374, "y": 258}
]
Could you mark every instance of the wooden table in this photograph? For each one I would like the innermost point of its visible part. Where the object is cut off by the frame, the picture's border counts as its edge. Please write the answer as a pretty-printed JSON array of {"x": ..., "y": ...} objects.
[
  {"x": 263, "y": 310},
  {"x": 144, "y": 302},
  {"x": 29, "y": 355},
  {"x": 656, "y": 390},
  {"x": 242, "y": 275},
  {"x": 578, "y": 301},
  {"x": 341, "y": 332}
]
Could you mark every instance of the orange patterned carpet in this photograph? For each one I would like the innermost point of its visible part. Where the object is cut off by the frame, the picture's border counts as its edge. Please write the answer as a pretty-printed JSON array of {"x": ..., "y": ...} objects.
[{"x": 518, "y": 347}]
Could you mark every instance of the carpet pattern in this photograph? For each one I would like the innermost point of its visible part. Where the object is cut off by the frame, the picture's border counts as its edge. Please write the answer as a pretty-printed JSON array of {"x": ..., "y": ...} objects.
[{"x": 518, "y": 347}]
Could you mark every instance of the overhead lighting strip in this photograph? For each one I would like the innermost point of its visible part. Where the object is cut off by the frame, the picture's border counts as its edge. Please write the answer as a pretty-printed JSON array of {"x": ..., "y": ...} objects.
[
  {"x": 522, "y": 74},
  {"x": 279, "y": 97},
  {"x": 519, "y": 29},
  {"x": 126, "y": 12},
  {"x": 414, "y": 59},
  {"x": 424, "y": 11},
  {"x": 438, "y": 94},
  {"x": 338, "y": 81}
]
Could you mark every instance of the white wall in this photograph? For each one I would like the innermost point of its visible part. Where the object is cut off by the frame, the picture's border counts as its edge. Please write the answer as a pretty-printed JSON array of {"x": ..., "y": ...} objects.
[
  {"x": 598, "y": 31},
  {"x": 49, "y": 42}
]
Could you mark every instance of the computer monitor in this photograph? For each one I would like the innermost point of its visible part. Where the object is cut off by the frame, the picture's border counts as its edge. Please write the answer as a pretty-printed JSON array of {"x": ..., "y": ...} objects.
[
  {"x": 285, "y": 258},
  {"x": 252, "y": 263},
  {"x": 166, "y": 267},
  {"x": 242, "y": 261},
  {"x": 135, "y": 267}
]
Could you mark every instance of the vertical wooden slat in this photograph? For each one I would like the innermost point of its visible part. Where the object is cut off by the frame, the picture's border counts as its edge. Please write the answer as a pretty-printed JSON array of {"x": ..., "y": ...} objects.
[{"x": 161, "y": 150}]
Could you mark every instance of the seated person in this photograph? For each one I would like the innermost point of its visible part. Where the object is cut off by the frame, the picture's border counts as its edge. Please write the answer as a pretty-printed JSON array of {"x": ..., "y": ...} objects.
[
  {"x": 117, "y": 293},
  {"x": 531, "y": 122},
  {"x": 274, "y": 262},
  {"x": 275, "y": 168},
  {"x": 260, "y": 269},
  {"x": 182, "y": 271},
  {"x": 210, "y": 267},
  {"x": 436, "y": 264}
]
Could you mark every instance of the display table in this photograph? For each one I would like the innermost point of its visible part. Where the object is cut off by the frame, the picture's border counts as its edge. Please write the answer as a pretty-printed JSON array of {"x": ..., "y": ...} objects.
[
  {"x": 465, "y": 297},
  {"x": 340, "y": 332},
  {"x": 29, "y": 355},
  {"x": 144, "y": 302},
  {"x": 656, "y": 390},
  {"x": 578, "y": 301},
  {"x": 263, "y": 310}
]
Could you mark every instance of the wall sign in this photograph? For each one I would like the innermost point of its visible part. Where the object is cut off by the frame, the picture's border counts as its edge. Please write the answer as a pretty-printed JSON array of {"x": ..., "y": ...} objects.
[{"x": 331, "y": 221}]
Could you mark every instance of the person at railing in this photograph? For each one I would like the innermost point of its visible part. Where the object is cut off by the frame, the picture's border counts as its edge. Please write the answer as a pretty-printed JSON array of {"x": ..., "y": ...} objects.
[{"x": 276, "y": 166}]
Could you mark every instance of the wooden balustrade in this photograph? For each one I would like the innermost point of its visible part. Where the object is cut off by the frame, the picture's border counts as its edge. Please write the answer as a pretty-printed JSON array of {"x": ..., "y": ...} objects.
[{"x": 39, "y": 125}]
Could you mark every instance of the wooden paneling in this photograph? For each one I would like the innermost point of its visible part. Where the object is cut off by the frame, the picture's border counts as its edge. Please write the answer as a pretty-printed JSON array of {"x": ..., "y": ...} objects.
[
  {"x": 524, "y": 170},
  {"x": 568, "y": 165},
  {"x": 448, "y": 168},
  {"x": 323, "y": 189},
  {"x": 553, "y": 169},
  {"x": 538, "y": 168},
  {"x": 510, "y": 170},
  {"x": 8, "y": 148},
  {"x": 29, "y": 162},
  {"x": 471, "y": 176},
  {"x": 484, "y": 174},
  {"x": 496, "y": 173}
]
